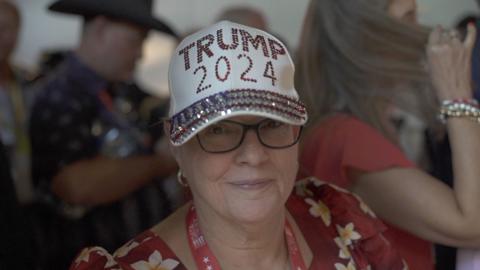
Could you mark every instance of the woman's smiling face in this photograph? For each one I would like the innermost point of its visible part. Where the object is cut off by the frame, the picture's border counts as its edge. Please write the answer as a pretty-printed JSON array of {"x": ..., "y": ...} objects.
[{"x": 245, "y": 185}]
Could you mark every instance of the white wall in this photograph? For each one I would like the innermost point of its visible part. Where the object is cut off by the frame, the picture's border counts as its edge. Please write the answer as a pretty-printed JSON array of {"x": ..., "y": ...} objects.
[
  {"x": 445, "y": 12},
  {"x": 43, "y": 30},
  {"x": 285, "y": 18}
]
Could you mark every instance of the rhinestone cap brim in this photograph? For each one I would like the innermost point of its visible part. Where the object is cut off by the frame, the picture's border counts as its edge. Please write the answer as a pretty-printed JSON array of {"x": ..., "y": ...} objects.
[{"x": 191, "y": 120}]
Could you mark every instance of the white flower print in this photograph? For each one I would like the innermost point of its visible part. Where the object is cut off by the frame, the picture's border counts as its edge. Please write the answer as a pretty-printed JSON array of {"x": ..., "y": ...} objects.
[
  {"x": 348, "y": 233},
  {"x": 155, "y": 262},
  {"x": 337, "y": 188},
  {"x": 319, "y": 209},
  {"x": 316, "y": 182},
  {"x": 110, "y": 262},
  {"x": 125, "y": 249},
  {"x": 344, "y": 251},
  {"x": 84, "y": 256},
  {"x": 301, "y": 188},
  {"x": 365, "y": 208},
  {"x": 87, "y": 252},
  {"x": 350, "y": 266}
]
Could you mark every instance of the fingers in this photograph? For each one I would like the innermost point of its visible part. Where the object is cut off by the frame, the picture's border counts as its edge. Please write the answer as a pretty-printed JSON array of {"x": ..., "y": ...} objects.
[
  {"x": 469, "y": 41},
  {"x": 454, "y": 34},
  {"x": 435, "y": 36},
  {"x": 448, "y": 58},
  {"x": 440, "y": 36}
]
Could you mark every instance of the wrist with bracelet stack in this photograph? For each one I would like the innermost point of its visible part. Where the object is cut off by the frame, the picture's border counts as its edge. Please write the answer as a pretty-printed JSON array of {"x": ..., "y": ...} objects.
[{"x": 460, "y": 108}]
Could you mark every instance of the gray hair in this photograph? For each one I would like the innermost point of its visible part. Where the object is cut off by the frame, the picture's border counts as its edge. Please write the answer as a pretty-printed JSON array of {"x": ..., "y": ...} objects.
[{"x": 353, "y": 56}]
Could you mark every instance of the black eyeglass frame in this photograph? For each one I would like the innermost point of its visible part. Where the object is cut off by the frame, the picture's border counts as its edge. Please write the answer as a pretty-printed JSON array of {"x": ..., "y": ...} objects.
[{"x": 245, "y": 128}]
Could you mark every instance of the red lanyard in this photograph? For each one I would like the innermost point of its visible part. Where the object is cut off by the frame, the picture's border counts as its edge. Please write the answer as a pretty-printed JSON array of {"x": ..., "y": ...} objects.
[{"x": 205, "y": 259}]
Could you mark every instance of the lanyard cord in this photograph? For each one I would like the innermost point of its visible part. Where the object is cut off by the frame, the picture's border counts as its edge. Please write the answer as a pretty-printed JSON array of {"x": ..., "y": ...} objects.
[{"x": 205, "y": 259}]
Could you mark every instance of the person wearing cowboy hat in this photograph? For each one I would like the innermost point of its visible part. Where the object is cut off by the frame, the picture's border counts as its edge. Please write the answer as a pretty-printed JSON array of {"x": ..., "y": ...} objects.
[{"x": 93, "y": 170}]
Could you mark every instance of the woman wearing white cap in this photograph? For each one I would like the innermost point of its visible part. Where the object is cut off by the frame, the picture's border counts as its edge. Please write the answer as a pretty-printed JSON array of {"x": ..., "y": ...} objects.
[{"x": 235, "y": 120}]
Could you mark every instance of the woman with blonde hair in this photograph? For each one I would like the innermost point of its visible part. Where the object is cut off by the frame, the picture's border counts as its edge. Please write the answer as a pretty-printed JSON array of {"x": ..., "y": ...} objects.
[{"x": 356, "y": 60}]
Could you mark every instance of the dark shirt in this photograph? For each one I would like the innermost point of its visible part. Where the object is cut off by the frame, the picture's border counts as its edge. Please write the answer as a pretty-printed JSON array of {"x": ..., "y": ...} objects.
[
  {"x": 476, "y": 64},
  {"x": 16, "y": 251},
  {"x": 71, "y": 122}
]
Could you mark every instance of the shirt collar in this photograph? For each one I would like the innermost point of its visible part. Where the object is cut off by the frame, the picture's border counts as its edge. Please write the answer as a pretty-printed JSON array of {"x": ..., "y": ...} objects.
[{"x": 79, "y": 72}]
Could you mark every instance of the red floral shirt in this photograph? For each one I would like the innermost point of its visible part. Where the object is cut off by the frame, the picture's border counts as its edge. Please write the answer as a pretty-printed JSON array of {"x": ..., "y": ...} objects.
[{"x": 342, "y": 232}]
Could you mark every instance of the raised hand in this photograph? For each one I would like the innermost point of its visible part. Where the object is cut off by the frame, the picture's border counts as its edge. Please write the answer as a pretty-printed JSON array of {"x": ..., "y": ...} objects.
[{"x": 449, "y": 61}]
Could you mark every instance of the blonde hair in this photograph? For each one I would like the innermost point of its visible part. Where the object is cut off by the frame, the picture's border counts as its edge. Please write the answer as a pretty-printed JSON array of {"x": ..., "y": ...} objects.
[{"x": 352, "y": 55}]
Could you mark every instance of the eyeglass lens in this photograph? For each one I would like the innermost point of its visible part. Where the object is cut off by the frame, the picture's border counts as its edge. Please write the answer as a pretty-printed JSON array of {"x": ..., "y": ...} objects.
[{"x": 227, "y": 135}]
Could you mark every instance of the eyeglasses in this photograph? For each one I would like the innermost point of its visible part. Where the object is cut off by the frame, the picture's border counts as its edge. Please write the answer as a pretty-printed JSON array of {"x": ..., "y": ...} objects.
[{"x": 227, "y": 135}]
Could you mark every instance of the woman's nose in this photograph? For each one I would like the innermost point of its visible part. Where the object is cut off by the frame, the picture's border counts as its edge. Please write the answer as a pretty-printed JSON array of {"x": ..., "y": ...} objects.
[{"x": 251, "y": 151}]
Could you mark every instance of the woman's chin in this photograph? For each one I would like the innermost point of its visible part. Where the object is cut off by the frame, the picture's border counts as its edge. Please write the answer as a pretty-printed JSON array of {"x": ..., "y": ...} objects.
[{"x": 255, "y": 211}]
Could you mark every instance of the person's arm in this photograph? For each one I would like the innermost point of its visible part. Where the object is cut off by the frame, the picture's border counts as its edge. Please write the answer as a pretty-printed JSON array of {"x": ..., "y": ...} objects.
[
  {"x": 103, "y": 180},
  {"x": 417, "y": 202},
  {"x": 67, "y": 154}
]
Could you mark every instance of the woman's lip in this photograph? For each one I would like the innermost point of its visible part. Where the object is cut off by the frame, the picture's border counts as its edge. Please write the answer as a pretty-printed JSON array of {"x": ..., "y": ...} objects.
[{"x": 251, "y": 184}]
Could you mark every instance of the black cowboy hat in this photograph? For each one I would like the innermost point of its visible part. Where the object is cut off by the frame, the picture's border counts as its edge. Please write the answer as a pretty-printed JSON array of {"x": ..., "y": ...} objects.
[{"x": 134, "y": 11}]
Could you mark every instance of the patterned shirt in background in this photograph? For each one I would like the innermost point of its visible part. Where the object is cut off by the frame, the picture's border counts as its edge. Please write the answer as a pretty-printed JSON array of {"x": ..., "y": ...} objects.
[{"x": 69, "y": 122}]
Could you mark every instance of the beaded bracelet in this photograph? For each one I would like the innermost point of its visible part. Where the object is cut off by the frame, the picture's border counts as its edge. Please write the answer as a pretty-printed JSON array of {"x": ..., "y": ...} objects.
[
  {"x": 469, "y": 101},
  {"x": 467, "y": 108}
]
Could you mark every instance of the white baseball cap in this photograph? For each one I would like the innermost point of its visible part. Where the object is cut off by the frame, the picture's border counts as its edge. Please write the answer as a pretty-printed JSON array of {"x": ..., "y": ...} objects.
[{"x": 226, "y": 70}]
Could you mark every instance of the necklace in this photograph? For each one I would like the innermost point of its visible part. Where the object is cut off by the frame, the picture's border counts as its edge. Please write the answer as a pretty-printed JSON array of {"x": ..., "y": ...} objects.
[{"x": 205, "y": 259}]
